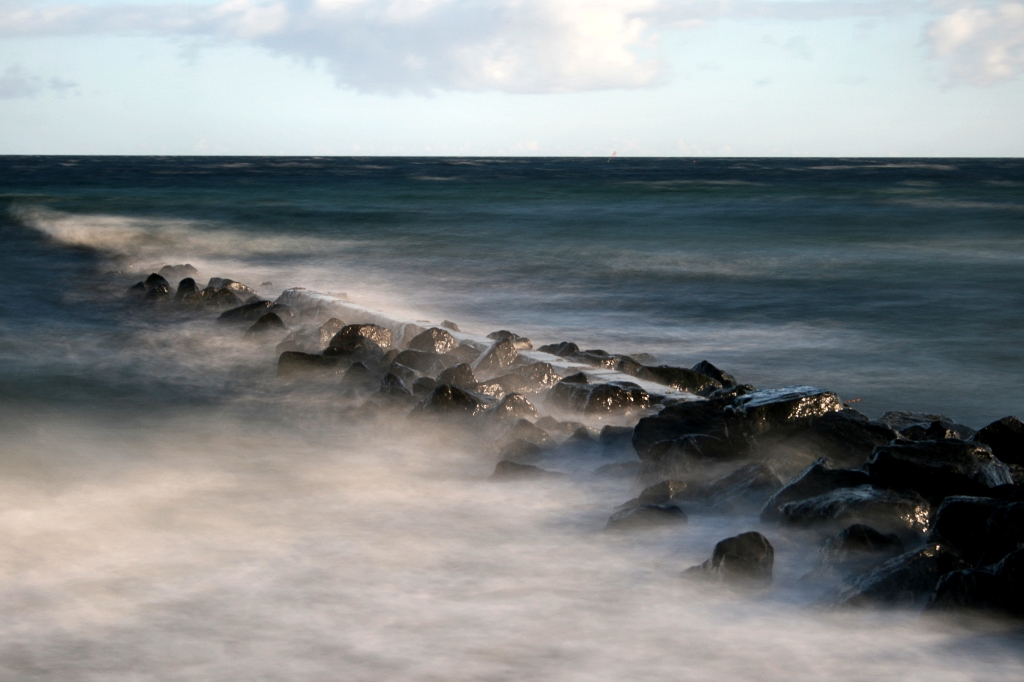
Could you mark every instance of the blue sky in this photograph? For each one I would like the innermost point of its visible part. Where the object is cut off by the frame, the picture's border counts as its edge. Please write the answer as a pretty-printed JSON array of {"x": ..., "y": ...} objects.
[{"x": 501, "y": 77}]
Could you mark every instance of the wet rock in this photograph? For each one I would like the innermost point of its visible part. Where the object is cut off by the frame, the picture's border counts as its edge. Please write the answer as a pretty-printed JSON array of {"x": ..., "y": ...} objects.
[
  {"x": 596, "y": 358},
  {"x": 646, "y": 516},
  {"x": 388, "y": 357},
  {"x": 422, "y": 386},
  {"x": 353, "y": 332},
  {"x": 464, "y": 352},
  {"x": 424, "y": 362},
  {"x": 680, "y": 379},
  {"x": 744, "y": 560},
  {"x": 891, "y": 511},
  {"x": 434, "y": 340},
  {"x": 524, "y": 429},
  {"x": 727, "y": 393},
  {"x": 393, "y": 390},
  {"x": 563, "y": 349},
  {"x": 1005, "y": 438},
  {"x": 507, "y": 470},
  {"x": 447, "y": 400},
  {"x": 920, "y": 426},
  {"x": 615, "y": 397},
  {"x": 745, "y": 488},
  {"x": 359, "y": 378},
  {"x": 407, "y": 374},
  {"x": 500, "y": 355},
  {"x": 499, "y": 387},
  {"x": 663, "y": 493},
  {"x": 211, "y": 297},
  {"x": 448, "y": 324},
  {"x": 519, "y": 342},
  {"x": 687, "y": 432},
  {"x": 995, "y": 588},
  {"x": 581, "y": 435},
  {"x": 311, "y": 340},
  {"x": 357, "y": 349},
  {"x": 616, "y": 436},
  {"x": 559, "y": 429},
  {"x": 520, "y": 450},
  {"x": 817, "y": 479},
  {"x": 266, "y": 324},
  {"x": 291, "y": 364},
  {"x": 846, "y": 437},
  {"x": 707, "y": 369},
  {"x": 906, "y": 580},
  {"x": 980, "y": 530},
  {"x": 224, "y": 284},
  {"x": 185, "y": 287},
  {"x": 154, "y": 281},
  {"x": 176, "y": 273},
  {"x": 460, "y": 376},
  {"x": 510, "y": 408},
  {"x": 782, "y": 409},
  {"x": 859, "y": 548},
  {"x": 937, "y": 469},
  {"x": 536, "y": 377},
  {"x": 247, "y": 312}
]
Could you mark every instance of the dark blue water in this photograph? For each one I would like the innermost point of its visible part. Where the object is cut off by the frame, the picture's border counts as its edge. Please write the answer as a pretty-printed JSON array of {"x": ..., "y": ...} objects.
[{"x": 895, "y": 281}]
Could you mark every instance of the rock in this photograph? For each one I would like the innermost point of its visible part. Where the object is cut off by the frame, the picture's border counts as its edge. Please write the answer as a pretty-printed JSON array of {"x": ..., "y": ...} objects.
[
  {"x": 353, "y": 332},
  {"x": 447, "y": 400},
  {"x": 937, "y": 469},
  {"x": 1005, "y": 438},
  {"x": 424, "y": 362},
  {"x": 646, "y": 516},
  {"x": 707, "y": 369},
  {"x": 905, "y": 580},
  {"x": 618, "y": 470},
  {"x": 266, "y": 324},
  {"x": 687, "y": 432},
  {"x": 388, "y": 357},
  {"x": 748, "y": 486},
  {"x": 155, "y": 280},
  {"x": 980, "y": 530},
  {"x": 423, "y": 385},
  {"x": 888, "y": 510},
  {"x": 237, "y": 288},
  {"x": 500, "y": 355},
  {"x": 292, "y": 363},
  {"x": 846, "y": 437},
  {"x": 448, "y": 324},
  {"x": 510, "y": 408},
  {"x": 558, "y": 429},
  {"x": 465, "y": 353},
  {"x": 357, "y": 349},
  {"x": 916, "y": 425},
  {"x": 580, "y": 435},
  {"x": 311, "y": 340},
  {"x": 359, "y": 378},
  {"x": 858, "y": 548},
  {"x": 663, "y": 493},
  {"x": 524, "y": 429},
  {"x": 501, "y": 386},
  {"x": 616, "y": 436},
  {"x": 459, "y": 376},
  {"x": 520, "y": 450},
  {"x": 817, "y": 479},
  {"x": 563, "y": 349},
  {"x": 745, "y": 560},
  {"x": 520, "y": 342},
  {"x": 434, "y": 340},
  {"x": 996, "y": 588},
  {"x": 248, "y": 312},
  {"x": 596, "y": 358},
  {"x": 176, "y": 273},
  {"x": 507, "y": 470},
  {"x": 782, "y": 409},
  {"x": 393, "y": 389},
  {"x": 577, "y": 394},
  {"x": 680, "y": 379},
  {"x": 185, "y": 287},
  {"x": 212, "y": 298},
  {"x": 536, "y": 377},
  {"x": 407, "y": 374},
  {"x": 571, "y": 393},
  {"x": 729, "y": 392}
]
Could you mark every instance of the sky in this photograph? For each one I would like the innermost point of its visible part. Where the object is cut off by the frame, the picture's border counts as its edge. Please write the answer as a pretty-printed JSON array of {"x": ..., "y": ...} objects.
[{"x": 513, "y": 77}]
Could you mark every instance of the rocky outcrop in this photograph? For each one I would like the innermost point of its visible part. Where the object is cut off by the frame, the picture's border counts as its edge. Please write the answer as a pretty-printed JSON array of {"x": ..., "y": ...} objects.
[
  {"x": 434, "y": 340},
  {"x": 817, "y": 479},
  {"x": 888, "y": 510},
  {"x": 743, "y": 560},
  {"x": 937, "y": 469}
]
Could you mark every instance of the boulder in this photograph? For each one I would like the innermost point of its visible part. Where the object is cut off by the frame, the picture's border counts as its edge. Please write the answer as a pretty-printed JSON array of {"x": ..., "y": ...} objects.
[
  {"x": 524, "y": 429},
  {"x": 423, "y": 385},
  {"x": 224, "y": 284},
  {"x": 500, "y": 355},
  {"x": 563, "y": 349},
  {"x": 499, "y": 387},
  {"x": 449, "y": 401},
  {"x": 211, "y": 297},
  {"x": 520, "y": 450},
  {"x": 407, "y": 374},
  {"x": 937, "y": 469},
  {"x": 596, "y": 358},
  {"x": 424, "y": 362},
  {"x": 906, "y": 580},
  {"x": 846, "y": 437},
  {"x": 185, "y": 287},
  {"x": 393, "y": 389},
  {"x": 707, "y": 369},
  {"x": 859, "y": 548},
  {"x": 920, "y": 426},
  {"x": 744, "y": 488},
  {"x": 663, "y": 493},
  {"x": 176, "y": 273},
  {"x": 520, "y": 342},
  {"x": 1005, "y": 438},
  {"x": 781, "y": 410},
  {"x": 311, "y": 340},
  {"x": 559, "y": 429},
  {"x": 448, "y": 324},
  {"x": 699, "y": 429},
  {"x": 536, "y": 377},
  {"x": 510, "y": 408},
  {"x": 359, "y": 378},
  {"x": 267, "y": 323},
  {"x": 980, "y": 530},
  {"x": 995, "y": 588},
  {"x": 817, "y": 479},
  {"x": 680, "y": 379},
  {"x": 744, "y": 560},
  {"x": 464, "y": 352},
  {"x": 459, "y": 376},
  {"x": 891, "y": 511},
  {"x": 646, "y": 516},
  {"x": 507, "y": 470},
  {"x": 616, "y": 397},
  {"x": 616, "y": 436},
  {"x": 354, "y": 332},
  {"x": 291, "y": 364},
  {"x": 356, "y": 349},
  {"x": 434, "y": 340},
  {"x": 247, "y": 312},
  {"x": 570, "y": 393}
]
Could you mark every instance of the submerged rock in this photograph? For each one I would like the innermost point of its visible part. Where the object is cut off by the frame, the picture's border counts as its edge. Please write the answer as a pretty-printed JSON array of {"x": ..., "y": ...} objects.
[
  {"x": 858, "y": 548},
  {"x": 744, "y": 560},
  {"x": 906, "y": 580},
  {"x": 646, "y": 516},
  {"x": 266, "y": 324},
  {"x": 359, "y": 378},
  {"x": 995, "y": 588},
  {"x": 393, "y": 390},
  {"x": 211, "y": 297},
  {"x": 433, "y": 340},
  {"x": 248, "y": 312},
  {"x": 937, "y": 469},
  {"x": 886, "y": 509},
  {"x": 520, "y": 450},
  {"x": 424, "y": 362},
  {"x": 423, "y": 385},
  {"x": 507, "y": 470},
  {"x": 448, "y": 324},
  {"x": 679, "y": 378},
  {"x": 176, "y": 273},
  {"x": 356, "y": 349},
  {"x": 563, "y": 349},
  {"x": 292, "y": 364},
  {"x": 524, "y": 429},
  {"x": 511, "y": 408},
  {"x": 614, "y": 397}
]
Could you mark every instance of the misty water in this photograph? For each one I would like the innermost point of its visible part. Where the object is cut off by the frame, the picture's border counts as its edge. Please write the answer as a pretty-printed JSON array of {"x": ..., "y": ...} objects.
[{"x": 169, "y": 510}]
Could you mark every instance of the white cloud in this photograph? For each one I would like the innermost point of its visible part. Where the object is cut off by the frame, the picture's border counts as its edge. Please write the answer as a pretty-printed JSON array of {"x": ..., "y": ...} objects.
[{"x": 981, "y": 43}]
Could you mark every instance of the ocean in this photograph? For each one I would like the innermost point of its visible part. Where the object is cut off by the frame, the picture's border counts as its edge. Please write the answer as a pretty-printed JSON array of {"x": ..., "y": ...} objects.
[{"x": 170, "y": 510}]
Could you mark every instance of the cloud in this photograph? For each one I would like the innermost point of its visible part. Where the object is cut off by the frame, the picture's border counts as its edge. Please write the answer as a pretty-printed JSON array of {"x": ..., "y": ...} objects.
[
  {"x": 982, "y": 43},
  {"x": 18, "y": 83}
]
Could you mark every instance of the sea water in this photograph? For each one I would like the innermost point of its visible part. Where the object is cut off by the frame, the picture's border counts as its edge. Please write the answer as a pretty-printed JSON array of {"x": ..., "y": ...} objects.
[{"x": 170, "y": 511}]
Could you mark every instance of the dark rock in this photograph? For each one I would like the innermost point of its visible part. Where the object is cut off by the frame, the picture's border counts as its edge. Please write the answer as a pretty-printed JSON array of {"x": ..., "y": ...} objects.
[
  {"x": 357, "y": 349},
  {"x": 465, "y": 353},
  {"x": 459, "y": 376},
  {"x": 499, "y": 387},
  {"x": 156, "y": 280},
  {"x": 995, "y": 588},
  {"x": 596, "y": 358},
  {"x": 507, "y": 470},
  {"x": 782, "y": 409},
  {"x": 520, "y": 342},
  {"x": 846, "y": 437},
  {"x": 906, "y": 580},
  {"x": 680, "y": 379},
  {"x": 424, "y": 362},
  {"x": 447, "y": 400},
  {"x": 1005, "y": 438},
  {"x": 580, "y": 435},
  {"x": 524, "y": 429},
  {"x": 176, "y": 273},
  {"x": 292, "y": 363},
  {"x": 616, "y": 396},
  {"x": 353, "y": 332},
  {"x": 520, "y": 450},
  {"x": 889, "y": 510},
  {"x": 407, "y": 374},
  {"x": 248, "y": 312},
  {"x": 746, "y": 487},
  {"x": 510, "y": 408},
  {"x": 920, "y": 426},
  {"x": 448, "y": 324},
  {"x": 434, "y": 340},
  {"x": 423, "y": 386},
  {"x": 388, "y": 357},
  {"x": 616, "y": 436},
  {"x": 571, "y": 393},
  {"x": 266, "y": 324},
  {"x": 729, "y": 392},
  {"x": 817, "y": 479},
  {"x": 859, "y": 548},
  {"x": 558, "y": 429},
  {"x": 689, "y": 431},
  {"x": 500, "y": 355},
  {"x": 311, "y": 340},
  {"x": 563, "y": 349},
  {"x": 224, "y": 284},
  {"x": 663, "y": 493},
  {"x": 746, "y": 559},
  {"x": 393, "y": 389},
  {"x": 937, "y": 469},
  {"x": 211, "y": 297},
  {"x": 981, "y": 530},
  {"x": 646, "y": 516},
  {"x": 707, "y": 369},
  {"x": 359, "y": 378},
  {"x": 618, "y": 470},
  {"x": 536, "y": 377},
  {"x": 185, "y": 287}
]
